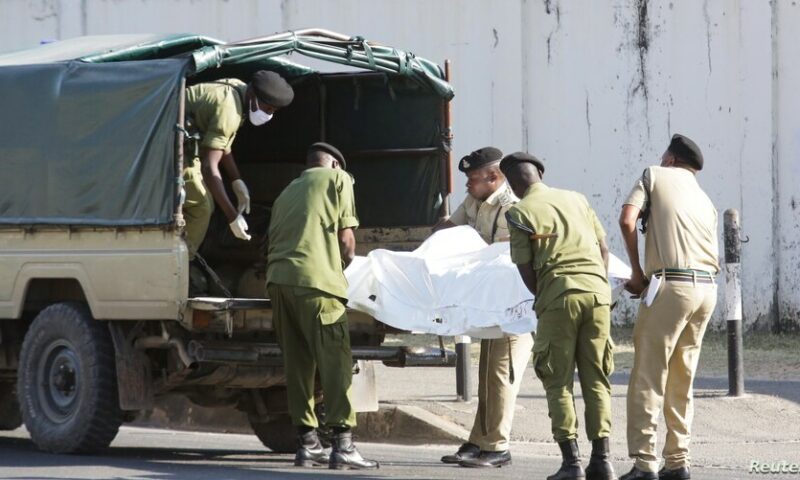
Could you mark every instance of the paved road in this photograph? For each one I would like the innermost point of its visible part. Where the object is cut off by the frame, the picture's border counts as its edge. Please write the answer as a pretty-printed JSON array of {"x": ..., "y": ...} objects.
[{"x": 166, "y": 455}]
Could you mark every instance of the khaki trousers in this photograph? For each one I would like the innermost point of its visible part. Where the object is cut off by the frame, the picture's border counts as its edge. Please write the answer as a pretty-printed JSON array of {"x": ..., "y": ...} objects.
[
  {"x": 666, "y": 339},
  {"x": 197, "y": 207},
  {"x": 576, "y": 332},
  {"x": 500, "y": 372},
  {"x": 314, "y": 335}
]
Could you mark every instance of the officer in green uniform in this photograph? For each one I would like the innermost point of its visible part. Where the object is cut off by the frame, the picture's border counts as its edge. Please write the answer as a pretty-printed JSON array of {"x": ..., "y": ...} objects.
[
  {"x": 214, "y": 113},
  {"x": 311, "y": 241},
  {"x": 559, "y": 247}
]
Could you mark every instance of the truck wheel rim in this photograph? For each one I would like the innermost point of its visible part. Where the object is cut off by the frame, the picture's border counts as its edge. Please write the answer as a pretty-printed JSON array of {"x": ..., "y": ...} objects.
[{"x": 59, "y": 387}]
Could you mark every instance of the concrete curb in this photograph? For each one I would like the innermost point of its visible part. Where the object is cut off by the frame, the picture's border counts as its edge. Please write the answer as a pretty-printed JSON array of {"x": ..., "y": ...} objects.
[
  {"x": 405, "y": 424},
  {"x": 400, "y": 424}
]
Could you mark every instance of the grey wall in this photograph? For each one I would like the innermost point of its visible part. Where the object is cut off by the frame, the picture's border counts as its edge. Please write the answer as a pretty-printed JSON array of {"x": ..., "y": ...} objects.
[{"x": 594, "y": 87}]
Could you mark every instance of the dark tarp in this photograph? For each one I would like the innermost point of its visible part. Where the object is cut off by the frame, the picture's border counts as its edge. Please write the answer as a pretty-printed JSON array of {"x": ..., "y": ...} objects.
[{"x": 89, "y": 144}]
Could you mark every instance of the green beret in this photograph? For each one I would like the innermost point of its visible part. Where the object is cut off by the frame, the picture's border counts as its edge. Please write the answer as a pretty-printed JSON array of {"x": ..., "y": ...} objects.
[
  {"x": 479, "y": 158},
  {"x": 272, "y": 89},
  {"x": 329, "y": 149},
  {"x": 686, "y": 150},
  {"x": 521, "y": 157}
]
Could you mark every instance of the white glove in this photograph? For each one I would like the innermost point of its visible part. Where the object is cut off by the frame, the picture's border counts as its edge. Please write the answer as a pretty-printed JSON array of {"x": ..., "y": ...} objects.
[
  {"x": 242, "y": 196},
  {"x": 239, "y": 228}
]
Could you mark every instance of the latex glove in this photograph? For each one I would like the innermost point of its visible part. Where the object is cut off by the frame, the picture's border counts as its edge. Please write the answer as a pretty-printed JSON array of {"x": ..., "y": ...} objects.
[
  {"x": 242, "y": 196},
  {"x": 239, "y": 228}
]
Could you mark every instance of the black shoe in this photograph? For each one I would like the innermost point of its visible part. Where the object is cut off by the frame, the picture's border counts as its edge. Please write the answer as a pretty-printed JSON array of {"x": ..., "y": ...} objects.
[
  {"x": 465, "y": 452},
  {"x": 636, "y": 474},
  {"x": 488, "y": 460},
  {"x": 310, "y": 451},
  {"x": 570, "y": 464},
  {"x": 345, "y": 455},
  {"x": 600, "y": 467},
  {"x": 681, "y": 473}
]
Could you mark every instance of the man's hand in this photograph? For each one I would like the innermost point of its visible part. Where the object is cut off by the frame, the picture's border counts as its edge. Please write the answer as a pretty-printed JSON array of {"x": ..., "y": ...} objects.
[
  {"x": 239, "y": 228},
  {"x": 242, "y": 196},
  {"x": 637, "y": 283}
]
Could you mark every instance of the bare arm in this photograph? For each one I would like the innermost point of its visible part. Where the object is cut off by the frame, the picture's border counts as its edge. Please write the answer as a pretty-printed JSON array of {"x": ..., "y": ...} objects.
[
  {"x": 627, "y": 224},
  {"x": 210, "y": 162},
  {"x": 229, "y": 165},
  {"x": 347, "y": 245},
  {"x": 528, "y": 275}
]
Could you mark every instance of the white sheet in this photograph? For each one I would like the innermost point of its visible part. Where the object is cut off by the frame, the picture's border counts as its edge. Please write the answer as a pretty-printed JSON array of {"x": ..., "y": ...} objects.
[{"x": 453, "y": 284}]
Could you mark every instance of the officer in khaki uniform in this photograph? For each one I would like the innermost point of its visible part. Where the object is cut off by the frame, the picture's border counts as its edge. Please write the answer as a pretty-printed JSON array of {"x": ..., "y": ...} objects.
[
  {"x": 214, "y": 113},
  {"x": 503, "y": 360},
  {"x": 681, "y": 249},
  {"x": 311, "y": 241},
  {"x": 559, "y": 247}
]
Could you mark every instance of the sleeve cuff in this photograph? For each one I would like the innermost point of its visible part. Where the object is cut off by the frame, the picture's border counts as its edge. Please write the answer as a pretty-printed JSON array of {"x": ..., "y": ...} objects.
[{"x": 348, "y": 222}]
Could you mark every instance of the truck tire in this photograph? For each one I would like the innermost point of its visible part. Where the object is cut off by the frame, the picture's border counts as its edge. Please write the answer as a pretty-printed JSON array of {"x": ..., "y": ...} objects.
[
  {"x": 278, "y": 434},
  {"x": 67, "y": 378},
  {"x": 10, "y": 416}
]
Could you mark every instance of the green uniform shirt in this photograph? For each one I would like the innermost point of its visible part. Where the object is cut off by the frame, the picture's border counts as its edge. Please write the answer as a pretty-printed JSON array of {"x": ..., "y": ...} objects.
[
  {"x": 570, "y": 262},
  {"x": 304, "y": 231},
  {"x": 216, "y": 110}
]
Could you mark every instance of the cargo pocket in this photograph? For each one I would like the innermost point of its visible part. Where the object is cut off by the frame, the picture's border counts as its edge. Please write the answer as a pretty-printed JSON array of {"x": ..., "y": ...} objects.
[
  {"x": 608, "y": 358},
  {"x": 541, "y": 360},
  {"x": 332, "y": 310}
]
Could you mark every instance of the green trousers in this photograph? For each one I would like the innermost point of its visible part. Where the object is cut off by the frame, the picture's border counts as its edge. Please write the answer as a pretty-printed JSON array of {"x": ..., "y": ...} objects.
[
  {"x": 576, "y": 332},
  {"x": 314, "y": 335},
  {"x": 197, "y": 207}
]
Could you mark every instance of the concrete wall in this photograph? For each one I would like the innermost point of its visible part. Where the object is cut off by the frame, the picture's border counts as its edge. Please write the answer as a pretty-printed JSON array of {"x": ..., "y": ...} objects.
[{"x": 595, "y": 88}]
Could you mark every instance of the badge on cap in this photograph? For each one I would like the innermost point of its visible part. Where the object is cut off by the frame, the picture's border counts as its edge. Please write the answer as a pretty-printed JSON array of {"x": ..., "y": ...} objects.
[{"x": 465, "y": 164}]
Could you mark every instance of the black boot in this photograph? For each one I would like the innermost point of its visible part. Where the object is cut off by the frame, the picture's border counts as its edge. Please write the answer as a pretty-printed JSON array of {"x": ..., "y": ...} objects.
[
  {"x": 571, "y": 463},
  {"x": 600, "y": 467},
  {"x": 488, "y": 460},
  {"x": 636, "y": 474},
  {"x": 309, "y": 450},
  {"x": 465, "y": 452},
  {"x": 681, "y": 473},
  {"x": 345, "y": 455}
]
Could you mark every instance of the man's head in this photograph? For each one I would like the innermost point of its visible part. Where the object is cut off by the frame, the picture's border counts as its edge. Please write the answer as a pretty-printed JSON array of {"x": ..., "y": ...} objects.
[
  {"x": 325, "y": 155},
  {"x": 684, "y": 153},
  {"x": 521, "y": 170},
  {"x": 483, "y": 173},
  {"x": 267, "y": 93}
]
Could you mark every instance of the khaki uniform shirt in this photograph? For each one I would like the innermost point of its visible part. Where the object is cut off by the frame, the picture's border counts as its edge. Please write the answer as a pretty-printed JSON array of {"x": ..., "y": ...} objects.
[
  {"x": 570, "y": 262},
  {"x": 682, "y": 229},
  {"x": 304, "y": 231},
  {"x": 216, "y": 109},
  {"x": 489, "y": 217}
]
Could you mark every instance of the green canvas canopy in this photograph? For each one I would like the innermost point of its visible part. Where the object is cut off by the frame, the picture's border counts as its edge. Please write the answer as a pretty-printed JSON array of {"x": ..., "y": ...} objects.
[{"x": 89, "y": 131}]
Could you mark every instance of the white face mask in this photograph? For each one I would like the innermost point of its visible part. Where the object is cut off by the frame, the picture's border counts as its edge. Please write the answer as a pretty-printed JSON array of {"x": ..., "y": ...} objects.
[{"x": 258, "y": 116}]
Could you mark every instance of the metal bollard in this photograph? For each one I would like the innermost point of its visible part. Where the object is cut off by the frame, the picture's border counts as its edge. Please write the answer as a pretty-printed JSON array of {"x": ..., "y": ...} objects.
[
  {"x": 733, "y": 302},
  {"x": 463, "y": 360}
]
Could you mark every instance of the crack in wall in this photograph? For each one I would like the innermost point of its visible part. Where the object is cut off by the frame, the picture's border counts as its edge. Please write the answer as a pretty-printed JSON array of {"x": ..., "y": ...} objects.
[
  {"x": 642, "y": 46},
  {"x": 588, "y": 120},
  {"x": 496, "y": 37},
  {"x": 707, "y": 18}
]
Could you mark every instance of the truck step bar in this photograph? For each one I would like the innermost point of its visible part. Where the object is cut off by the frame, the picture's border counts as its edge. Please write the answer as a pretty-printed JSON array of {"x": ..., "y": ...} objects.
[{"x": 270, "y": 354}]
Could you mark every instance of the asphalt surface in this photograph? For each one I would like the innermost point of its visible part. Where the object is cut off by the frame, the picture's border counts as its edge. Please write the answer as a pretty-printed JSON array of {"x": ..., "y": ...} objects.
[{"x": 139, "y": 453}]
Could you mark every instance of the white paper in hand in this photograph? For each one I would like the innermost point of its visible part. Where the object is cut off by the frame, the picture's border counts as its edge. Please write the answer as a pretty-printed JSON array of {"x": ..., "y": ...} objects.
[{"x": 652, "y": 290}]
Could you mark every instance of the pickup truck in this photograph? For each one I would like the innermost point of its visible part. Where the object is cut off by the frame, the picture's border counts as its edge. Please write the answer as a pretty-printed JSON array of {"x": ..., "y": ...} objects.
[{"x": 96, "y": 320}]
